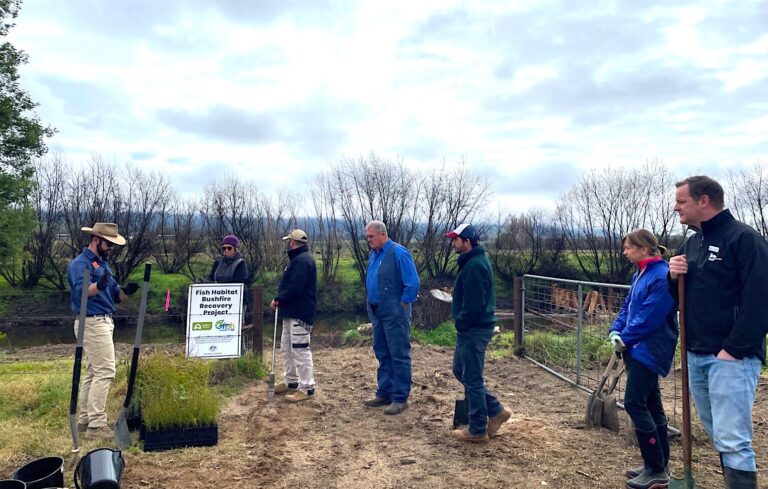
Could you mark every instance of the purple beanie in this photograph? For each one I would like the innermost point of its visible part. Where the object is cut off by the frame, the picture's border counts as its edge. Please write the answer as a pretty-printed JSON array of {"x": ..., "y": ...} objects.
[{"x": 231, "y": 239}]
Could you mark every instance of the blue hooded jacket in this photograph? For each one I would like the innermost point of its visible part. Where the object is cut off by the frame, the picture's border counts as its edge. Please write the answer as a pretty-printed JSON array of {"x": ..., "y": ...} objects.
[{"x": 647, "y": 322}]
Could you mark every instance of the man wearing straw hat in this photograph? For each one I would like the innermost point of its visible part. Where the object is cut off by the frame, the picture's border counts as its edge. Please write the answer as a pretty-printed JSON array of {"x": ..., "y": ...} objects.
[{"x": 98, "y": 348}]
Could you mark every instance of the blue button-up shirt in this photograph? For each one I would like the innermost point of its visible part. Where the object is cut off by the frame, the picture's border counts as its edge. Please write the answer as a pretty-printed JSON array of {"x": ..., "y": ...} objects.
[
  {"x": 408, "y": 273},
  {"x": 106, "y": 300}
]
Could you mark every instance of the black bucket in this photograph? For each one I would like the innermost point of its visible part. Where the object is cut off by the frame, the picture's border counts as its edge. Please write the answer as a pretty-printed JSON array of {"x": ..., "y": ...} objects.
[
  {"x": 100, "y": 469},
  {"x": 41, "y": 473},
  {"x": 12, "y": 484}
]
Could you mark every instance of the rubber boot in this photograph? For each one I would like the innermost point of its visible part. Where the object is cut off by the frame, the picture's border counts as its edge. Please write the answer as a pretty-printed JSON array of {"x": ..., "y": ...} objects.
[
  {"x": 663, "y": 437},
  {"x": 653, "y": 475},
  {"x": 739, "y": 479}
]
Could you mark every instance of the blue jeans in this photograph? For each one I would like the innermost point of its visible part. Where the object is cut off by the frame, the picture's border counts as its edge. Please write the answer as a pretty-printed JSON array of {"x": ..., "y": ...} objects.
[
  {"x": 724, "y": 393},
  {"x": 392, "y": 347},
  {"x": 468, "y": 364}
]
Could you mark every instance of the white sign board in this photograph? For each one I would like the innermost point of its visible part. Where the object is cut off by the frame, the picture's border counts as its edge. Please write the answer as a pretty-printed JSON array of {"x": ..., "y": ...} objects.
[{"x": 214, "y": 320}]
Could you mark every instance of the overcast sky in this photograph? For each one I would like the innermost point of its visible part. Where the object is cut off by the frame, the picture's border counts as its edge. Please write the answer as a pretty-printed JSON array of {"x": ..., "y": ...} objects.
[{"x": 530, "y": 93}]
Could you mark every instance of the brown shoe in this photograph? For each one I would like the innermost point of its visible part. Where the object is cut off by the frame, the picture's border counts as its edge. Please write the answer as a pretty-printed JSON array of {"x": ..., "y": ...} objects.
[
  {"x": 100, "y": 433},
  {"x": 377, "y": 402},
  {"x": 299, "y": 396},
  {"x": 465, "y": 435},
  {"x": 283, "y": 388},
  {"x": 495, "y": 422}
]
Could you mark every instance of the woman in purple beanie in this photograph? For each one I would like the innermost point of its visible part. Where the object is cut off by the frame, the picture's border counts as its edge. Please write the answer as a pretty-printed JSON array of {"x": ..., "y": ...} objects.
[{"x": 230, "y": 267}]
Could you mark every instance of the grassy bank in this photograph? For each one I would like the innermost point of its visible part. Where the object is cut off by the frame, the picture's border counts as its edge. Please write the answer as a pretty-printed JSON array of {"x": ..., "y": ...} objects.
[{"x": 34, "y": 413}]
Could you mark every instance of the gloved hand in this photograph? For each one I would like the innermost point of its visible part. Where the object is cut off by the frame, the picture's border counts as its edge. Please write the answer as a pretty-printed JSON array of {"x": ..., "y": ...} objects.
[
  {"x": 130, "y": 288},
  {"x": 616, "y": 341},
  {"x": 103, "y": 282}
]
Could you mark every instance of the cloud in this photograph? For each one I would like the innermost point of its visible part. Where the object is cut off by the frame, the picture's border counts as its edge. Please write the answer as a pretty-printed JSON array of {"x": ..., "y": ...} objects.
[{"x": 224, "y": 123}]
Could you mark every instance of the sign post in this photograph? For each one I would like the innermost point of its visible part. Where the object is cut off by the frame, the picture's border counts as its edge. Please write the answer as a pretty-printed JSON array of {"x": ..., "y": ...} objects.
[{"x": 214, "y": 320}]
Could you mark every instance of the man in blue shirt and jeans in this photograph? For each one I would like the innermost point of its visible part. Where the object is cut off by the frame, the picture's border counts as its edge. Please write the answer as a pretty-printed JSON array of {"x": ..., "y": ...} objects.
[
  {"x": 392, "y": 285},
  {"x": 98, "y": 348}
]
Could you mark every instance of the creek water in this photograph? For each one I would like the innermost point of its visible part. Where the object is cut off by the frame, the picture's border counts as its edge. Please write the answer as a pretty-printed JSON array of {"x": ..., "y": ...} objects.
[{"x": 61, "y": 331}]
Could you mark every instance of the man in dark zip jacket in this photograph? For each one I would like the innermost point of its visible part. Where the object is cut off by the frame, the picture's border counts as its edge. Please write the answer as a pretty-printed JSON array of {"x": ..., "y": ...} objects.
[
  {"x": 297, "y": 303},
  {"x": 725, "y": 268},
  {"x": 473, "y": 312}
]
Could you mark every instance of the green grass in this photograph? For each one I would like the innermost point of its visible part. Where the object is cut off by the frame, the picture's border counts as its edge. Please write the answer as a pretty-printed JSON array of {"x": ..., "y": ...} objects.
[
  {"x": 560, "y": 349},
  {"x": 443, "y": 335}
]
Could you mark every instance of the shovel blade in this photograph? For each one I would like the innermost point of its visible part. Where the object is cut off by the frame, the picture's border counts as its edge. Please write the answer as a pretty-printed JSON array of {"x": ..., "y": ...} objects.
[
  {"x": 594, "y": 414},
  {"x": 271, "y": 387},
  {"x": 610, "y": 415},
  {"x": 686, "y": 482},
  {"x": 460, "y": 413},
  {"x": 122, "y": 434}
]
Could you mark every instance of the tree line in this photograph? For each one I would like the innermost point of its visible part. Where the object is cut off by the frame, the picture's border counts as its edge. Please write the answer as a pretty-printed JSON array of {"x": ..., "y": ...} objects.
[{"x": 580, "y": 238}]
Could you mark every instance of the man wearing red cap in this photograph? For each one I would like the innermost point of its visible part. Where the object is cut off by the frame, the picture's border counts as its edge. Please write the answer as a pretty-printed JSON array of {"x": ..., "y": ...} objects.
[{"x": 473, "y": 312}]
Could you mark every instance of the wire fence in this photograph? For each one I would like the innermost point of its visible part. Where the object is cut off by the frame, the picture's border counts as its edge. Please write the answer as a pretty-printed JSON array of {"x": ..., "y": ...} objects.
[{"x": 565, "y": 327}]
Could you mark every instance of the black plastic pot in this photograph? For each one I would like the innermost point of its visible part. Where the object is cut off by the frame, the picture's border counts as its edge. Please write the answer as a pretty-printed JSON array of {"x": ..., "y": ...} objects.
[
  {"x": 42, "y": 473},
  {"x": 168, "y": 438},
  {"x": 12, "y": 484},
  {"x": 99, "y": 469}
]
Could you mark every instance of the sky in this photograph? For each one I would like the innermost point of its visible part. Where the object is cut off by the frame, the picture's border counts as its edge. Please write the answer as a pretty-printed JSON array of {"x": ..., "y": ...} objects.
[{"x": 528, "y": 93}]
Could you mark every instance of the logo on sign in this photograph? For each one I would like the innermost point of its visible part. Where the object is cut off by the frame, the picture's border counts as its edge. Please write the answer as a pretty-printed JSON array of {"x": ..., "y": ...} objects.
[
  {"x": 202, "y": 326},
  {"x": 222, "y": 325}
]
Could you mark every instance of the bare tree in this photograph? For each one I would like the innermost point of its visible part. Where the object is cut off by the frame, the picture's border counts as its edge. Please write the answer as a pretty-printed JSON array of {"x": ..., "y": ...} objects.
[
  {"x": 525, "y": 243},
  {"x": 748, "y": 191},
  {"x": 179, "y": 237},
  {"x": 47, "y": 201},
  {"x": 327, "y": 235},
  {"x": 449, "y": 197},
  {"x": 375, "y": 188}
]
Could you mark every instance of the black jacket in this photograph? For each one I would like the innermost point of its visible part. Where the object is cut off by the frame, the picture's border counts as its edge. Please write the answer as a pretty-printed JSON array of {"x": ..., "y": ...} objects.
[
  {"x": 726, "y": 289},
  {"x": 298, "y": 287}
]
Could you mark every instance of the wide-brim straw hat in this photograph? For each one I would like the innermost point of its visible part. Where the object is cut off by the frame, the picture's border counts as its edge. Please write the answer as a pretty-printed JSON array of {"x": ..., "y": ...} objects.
[{"x": 106, "y": 230}]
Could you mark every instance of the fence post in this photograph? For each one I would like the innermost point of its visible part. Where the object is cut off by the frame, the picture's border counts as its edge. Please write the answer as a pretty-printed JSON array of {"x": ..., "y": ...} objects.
[
  {"x": 258, "y": 320},
  {"x": 517, "y": 291},
  {"x": 579, "y": 331}
]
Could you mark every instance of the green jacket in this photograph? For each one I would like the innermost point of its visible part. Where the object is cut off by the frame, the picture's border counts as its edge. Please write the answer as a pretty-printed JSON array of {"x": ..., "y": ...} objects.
[{"x": 473, "y": 297}]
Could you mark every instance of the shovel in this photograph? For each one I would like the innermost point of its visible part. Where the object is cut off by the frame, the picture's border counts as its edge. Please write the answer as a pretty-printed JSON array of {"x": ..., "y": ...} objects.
[
  {"x": 78, "y": 362},
  {"x": 687, "y": 481},
  {"x": 601, "y": 406},
  {"x": 271, "y": 383},
  {"x": 122, "y": 435}
]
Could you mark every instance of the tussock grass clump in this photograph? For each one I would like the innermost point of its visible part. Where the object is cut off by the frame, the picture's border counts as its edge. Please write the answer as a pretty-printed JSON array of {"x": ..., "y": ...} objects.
[
  {"x": 560, "y": 349},
  {"x": 176, "y": 392}
]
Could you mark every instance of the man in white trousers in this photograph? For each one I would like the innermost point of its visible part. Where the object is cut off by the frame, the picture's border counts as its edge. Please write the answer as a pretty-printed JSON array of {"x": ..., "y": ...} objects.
[{"x": 297, "y": 303}]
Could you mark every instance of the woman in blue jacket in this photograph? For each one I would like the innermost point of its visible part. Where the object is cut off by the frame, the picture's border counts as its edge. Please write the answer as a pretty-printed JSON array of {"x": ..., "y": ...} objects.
[{"x": 646, "y": 330}]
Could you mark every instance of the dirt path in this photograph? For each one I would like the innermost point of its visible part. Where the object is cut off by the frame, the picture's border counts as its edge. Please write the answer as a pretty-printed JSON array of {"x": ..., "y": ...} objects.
[{"x": 334, "y": 441}]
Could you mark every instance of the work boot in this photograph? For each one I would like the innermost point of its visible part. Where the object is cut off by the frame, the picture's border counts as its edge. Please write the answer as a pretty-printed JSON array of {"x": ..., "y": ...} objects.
[
  {"x": 495, "y": 422},
  {"x": 283, "y": 388},
  {"x": 377, "y": 402},
  {"x": 396, "y": 407},
  {"x": 663, "y": 436},
  {"x": 300, "y": 396},
  {"x": 649, "y": 480},
  {"x": 100, "y": 433},
  {"x": 465, "y": 435},
  {"x": 739, "y": 479}
]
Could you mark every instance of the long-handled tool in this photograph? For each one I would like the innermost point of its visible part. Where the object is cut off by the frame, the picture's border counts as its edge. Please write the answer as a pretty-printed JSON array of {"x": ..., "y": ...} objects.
[
  {"x": 687, "y": 481},
  {"x": 78, "y": 362},
  {"x": 122, "y": 434},
  {"x": 601, "y": 406},
  {"x": 271, "y": 384}
]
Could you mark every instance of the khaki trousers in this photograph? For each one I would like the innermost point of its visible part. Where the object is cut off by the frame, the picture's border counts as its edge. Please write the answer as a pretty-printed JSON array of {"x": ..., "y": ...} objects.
[{"x": 99, "y": 358}]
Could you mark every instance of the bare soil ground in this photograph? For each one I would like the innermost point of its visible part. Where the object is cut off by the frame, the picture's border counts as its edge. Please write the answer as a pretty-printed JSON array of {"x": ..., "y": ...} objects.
[{"x": 334, "y": 441}]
